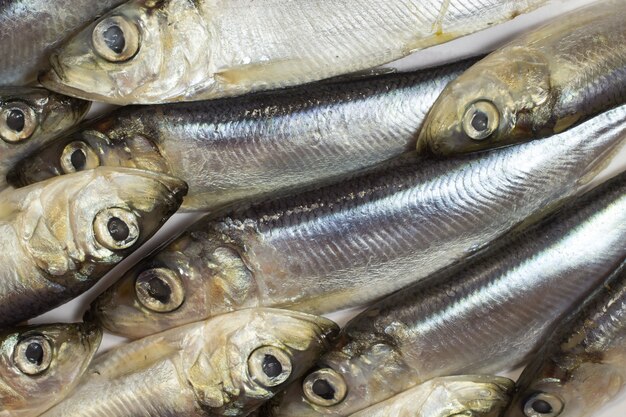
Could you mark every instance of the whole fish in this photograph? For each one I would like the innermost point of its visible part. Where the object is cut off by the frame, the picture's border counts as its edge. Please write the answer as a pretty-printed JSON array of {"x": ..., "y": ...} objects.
[
  {"x": 57, "y": 238},
  {"x": 30, "y": 118},
  {"x": 542, "y": 83},
  {"x": 226, "y": 366},
  {"x": 248, "y": 147},
  {"x": 482, "y": 317},
  {"x": 583, "y": 364},
  {"x": 451, "y": 396},
  {"x": 338, "y": 247},
  {"x": 31, "y": 29},
  {"x": 39, "y": 365},
  {"x": 155, "y": 51}
]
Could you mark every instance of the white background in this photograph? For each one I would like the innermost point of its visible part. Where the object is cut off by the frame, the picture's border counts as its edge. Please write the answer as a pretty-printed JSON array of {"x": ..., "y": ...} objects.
[{"x": 465, "y": 47}]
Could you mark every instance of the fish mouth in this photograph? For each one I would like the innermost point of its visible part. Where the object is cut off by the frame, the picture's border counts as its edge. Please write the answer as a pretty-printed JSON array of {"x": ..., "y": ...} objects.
[{"x": 91, "y": 335}]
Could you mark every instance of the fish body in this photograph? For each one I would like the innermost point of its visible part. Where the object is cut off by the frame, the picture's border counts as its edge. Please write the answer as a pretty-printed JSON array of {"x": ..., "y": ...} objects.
[
  {"x": 29, "y": 119},
  {"x": 542, "y": 83},
  {"x": 31, "y": 29},
  {"x": 337, "y": 247},
  {"x": 248, "y": 147},
  {"x": 483, "y": 317},
  {"x": 39, "y": 365},
  {"x": 60, "y": 236},
  {"x": 177, "y": 50},
  {"x": 471, "y": 395},
  {"x": 226, "y": 366},
  {"x": 583, "y": 363}
]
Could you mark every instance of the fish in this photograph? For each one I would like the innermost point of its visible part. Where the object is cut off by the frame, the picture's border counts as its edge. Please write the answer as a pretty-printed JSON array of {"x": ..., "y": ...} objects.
[
  {"x": 225, "y": 366},
  {"x": 31, "y": 29},
  {"x": 542, "y": 83},
  {"x": 41, "y": 364},
  {"x": 58, "y": 237},
  {"x": 157, "y": 51},
  {"x": 582, "y": 365},
  {"x": 337, "y": 247},
  {"x": 31, "y": 117},
  {"x": 481, "y": 317},
  {"x": 242, "y": 149}
]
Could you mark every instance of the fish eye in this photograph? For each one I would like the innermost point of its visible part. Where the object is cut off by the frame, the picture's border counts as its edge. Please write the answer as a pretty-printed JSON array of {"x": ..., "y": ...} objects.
[
  {"x": 78, "y": 156},
  {"x": 481, "y": 120},
  {"x": 116, "y": 39},
  {"x": 33, "y": 355},
  {"x": 269, "y": 366},
  {"x": 325, "y": 387},
  {"x": 116, "y": 228},
  {"x": 159, "y": 290},
  {"x": 18, "y": 122},
  {"x": 543, "y": 405}
]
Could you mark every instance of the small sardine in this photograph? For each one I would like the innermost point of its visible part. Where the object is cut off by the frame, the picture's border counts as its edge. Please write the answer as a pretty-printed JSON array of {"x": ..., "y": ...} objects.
[
  {"x": 482, "y": 317},
  {"x": 31, "y": 29},
  {"x": 30, "y": 118},
  {"x": 542, "y": 83},
  {"x": 226, "y": 366},
  {"x": 40, "y": 365},
  {"x": 249, "y": 147},
  {"x": 58, "y": 237},
  {"x": 148, "y": 51},
  {"x": 583, "y": 364},
  {"x": 337, "y": 247}
]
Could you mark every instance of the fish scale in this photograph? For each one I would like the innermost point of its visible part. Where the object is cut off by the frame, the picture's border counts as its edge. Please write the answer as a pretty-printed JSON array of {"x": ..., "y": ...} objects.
[{"x": 336, "y": 247}]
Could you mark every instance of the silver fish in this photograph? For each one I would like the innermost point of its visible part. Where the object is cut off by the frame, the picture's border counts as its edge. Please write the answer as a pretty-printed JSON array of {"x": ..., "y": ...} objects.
[
  {"x": 57, "y": 238},
  {"x": 338, "y": 247},
  {"x": 39, "y": 365},
  {"x": 542, "y": 83},
  {"x": 226, "y": 366},
  {"x": 482, "y": 317},
  {"x": 249, "y": 147},
  {"x": 155, "y": 51},
  {"x": 31, "y": 29},
  {"x": 30, "y": 118},
  {"x": 583, "y": 364}
]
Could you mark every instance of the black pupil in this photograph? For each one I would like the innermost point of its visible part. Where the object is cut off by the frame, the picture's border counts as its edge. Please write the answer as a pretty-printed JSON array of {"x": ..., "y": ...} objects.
[
  {"x": 79, "y": 159},
  {"x": 322, "y": 389},
  {"x": 118, "y": 229},
  {"x": 114, "y": 38},
  {"x": 34, "y": 353},
  {"x": 271, "y": 366},
  {"x": 159, "y": 290},
  {"x": 15, "y": 120},
  {"x": 480, "y": 121},
  {"x": 542, "y": 407}
]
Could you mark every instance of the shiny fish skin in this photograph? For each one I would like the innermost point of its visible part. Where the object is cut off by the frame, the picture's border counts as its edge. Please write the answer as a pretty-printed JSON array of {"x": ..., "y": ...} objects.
[
  {"x": 202, "y": 369},
  {"x": 542, "y": 83},
  {"x": 483, "y": 317},
  {"x": 57, "y": 238},
  {"x": 31, "y": 29},
  {"x": 46, "y": 114},
  {"x": 232, "y": 47},
  {"x": 337, "y": 247},
  {"x": 72, "y": 348},
  {"x": 583, "y": 364},
  {"x": 451, "y": 396},
  {"x": 252, "y": 146}
]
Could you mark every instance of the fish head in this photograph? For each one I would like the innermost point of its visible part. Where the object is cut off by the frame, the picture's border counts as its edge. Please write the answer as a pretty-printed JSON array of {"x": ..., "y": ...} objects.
[
  {"x": 87, "y": 149},
  {"x": 77, "y": 227},
  {"x": 136, "y": 53},
  {"x": 40, "y": 364},
  {"x": 193, "y": 277},
  {"x": 253, "y": 354},
  {"x": 500, "y": 101},
  {"x": 574, "y": 385},
  {"x": 345, "y": 380}
]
